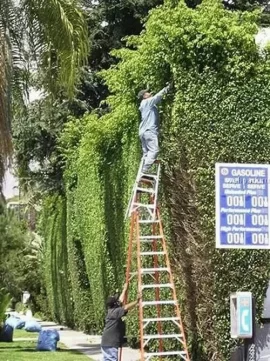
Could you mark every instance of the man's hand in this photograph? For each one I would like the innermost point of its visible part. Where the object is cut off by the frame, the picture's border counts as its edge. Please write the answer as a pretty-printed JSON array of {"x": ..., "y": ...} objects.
[
  {"x": 170, "y": 85},
  {"x": 122, "y": 296},
  {"x": 133, "y": 304}
]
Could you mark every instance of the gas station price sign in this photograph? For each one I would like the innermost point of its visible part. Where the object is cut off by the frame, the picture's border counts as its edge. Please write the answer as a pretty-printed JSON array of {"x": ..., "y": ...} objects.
[{"x": 242, "y": 205}]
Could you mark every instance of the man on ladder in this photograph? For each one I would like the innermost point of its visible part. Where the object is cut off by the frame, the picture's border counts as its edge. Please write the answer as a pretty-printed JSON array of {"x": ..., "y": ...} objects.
[
  {"x": 149, "y": 126},
  {"x": 159, "y": 312}
]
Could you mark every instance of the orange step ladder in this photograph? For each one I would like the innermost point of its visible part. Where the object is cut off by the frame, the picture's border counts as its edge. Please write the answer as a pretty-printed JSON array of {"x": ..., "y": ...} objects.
[{"x": 161, "y": 328}]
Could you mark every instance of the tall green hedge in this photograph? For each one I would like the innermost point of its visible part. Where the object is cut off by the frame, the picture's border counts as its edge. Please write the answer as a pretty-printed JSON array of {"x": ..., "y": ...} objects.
[
  {"x": 235, "y": 129},
  {"x": 218, "y": 111},
  {"x": 98, "y": 182},
  {"x": 55, "y": 267}
]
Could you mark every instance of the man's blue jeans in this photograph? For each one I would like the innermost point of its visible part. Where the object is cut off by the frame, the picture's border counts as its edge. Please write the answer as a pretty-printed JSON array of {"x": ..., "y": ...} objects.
[{"x": 109, "y": 353}]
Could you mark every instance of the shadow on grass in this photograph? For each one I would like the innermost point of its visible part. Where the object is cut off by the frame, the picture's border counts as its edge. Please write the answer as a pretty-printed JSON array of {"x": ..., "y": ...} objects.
[{"x": 89, "y": 349}]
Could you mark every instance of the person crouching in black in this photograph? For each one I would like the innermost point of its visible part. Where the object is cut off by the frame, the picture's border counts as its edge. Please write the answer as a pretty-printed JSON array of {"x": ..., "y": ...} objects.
[{"x": 114, "y": 330}]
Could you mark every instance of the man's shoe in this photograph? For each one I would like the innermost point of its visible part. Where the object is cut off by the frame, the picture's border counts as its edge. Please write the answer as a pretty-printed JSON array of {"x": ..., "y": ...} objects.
[{"x": 146, "y": 175}]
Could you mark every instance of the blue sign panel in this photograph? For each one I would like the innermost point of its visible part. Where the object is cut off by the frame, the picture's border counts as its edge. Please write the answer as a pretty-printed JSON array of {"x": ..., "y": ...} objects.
[
  {"x": 242, "y": 205},
  {"x": 244, "y": 312}
]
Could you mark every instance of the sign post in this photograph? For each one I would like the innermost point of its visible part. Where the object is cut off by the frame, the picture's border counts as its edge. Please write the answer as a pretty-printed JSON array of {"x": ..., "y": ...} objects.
[{"x": 242, "y": 206}]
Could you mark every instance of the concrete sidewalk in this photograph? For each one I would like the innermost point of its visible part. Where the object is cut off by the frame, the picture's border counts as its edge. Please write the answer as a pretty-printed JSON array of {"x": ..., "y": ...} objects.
[{"x": 87, "y": 344}]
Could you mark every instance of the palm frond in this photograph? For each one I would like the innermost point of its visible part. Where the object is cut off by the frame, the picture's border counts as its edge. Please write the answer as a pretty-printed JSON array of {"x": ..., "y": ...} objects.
[
  {"x": 5, "y": 136},
  {"x": 11, "y": 35},
  {"x": 58, "y": 34}
]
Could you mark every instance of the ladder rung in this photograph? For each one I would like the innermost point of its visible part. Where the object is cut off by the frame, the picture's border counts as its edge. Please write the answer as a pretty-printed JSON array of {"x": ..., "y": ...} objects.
[
  {"x": 158, "y": 319},
  {"x": 146, "y": 221},
  {"x": 146, "y": 190},
  {"x": 146, "y": 240},
  {"x": 165, "y": 353},
  {"x": 150, "y": 237},
  {"x": 162, "y": 269},
  {"x": 136, "y": 273},
  {"x": 146, "y": 181},
  {"x": 152, "y": 253},
  {"x": 153, "y": 303},
  {"x": 146, "y": 176},
  {"x": 157, "y": 336},
  {"x": 152, "y": 206},
  {"x": 160, "y": 285}
]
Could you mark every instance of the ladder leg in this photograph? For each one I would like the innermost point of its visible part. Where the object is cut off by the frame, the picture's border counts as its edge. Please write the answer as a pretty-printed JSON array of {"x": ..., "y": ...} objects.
[
  {"x": 120, "y": 353},
  {"x": 130, "y": 246},
  {"x": 139, "y": 284},
  {"x": 157, "y": 290},
  {"x": 177, "y": 309},
  {"x": 133, "y": 193},
  {"x": 129, "y": 260}
]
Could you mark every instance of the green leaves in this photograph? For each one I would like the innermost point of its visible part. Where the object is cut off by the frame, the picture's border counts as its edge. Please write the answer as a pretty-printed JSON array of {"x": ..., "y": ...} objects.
[
  {"x": 4, "y": 302},
  {"x": 59, "y": 35},
  {"x": 13, "y": 253}
]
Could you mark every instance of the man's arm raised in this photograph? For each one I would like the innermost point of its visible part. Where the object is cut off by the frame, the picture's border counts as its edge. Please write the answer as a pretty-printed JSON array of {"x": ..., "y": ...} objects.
[
  {"x": 158, "y": 97},
  {"x": 122, "y": 296},
  {"x": 131, "y": 305}
]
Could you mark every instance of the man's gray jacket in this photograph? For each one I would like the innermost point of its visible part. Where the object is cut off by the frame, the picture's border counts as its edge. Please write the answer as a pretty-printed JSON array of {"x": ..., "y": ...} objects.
[{"x": 149, "y": 112}]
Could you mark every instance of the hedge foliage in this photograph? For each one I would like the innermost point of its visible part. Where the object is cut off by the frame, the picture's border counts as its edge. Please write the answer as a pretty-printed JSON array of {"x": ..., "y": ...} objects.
[
  {"x": 55, "y": 265},
  {"x": 219, "y": 111}
]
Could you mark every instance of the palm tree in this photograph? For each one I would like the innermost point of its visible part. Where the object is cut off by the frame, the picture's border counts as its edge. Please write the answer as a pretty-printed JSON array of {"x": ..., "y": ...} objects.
[
  {"x": 53, "y": 34},
  {"x": 5, "y": 141}
]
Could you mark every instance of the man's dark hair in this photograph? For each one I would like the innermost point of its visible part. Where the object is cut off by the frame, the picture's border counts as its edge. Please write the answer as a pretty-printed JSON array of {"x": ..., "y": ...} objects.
[
  {"x": 113, "y": 301},
  {"x": 141, "y": 93}
]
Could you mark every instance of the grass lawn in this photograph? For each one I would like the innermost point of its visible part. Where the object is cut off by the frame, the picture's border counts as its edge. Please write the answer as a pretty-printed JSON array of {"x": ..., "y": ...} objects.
[
  {"x": 25, "y": 351},
  {"x": 24, "y": 334}
]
